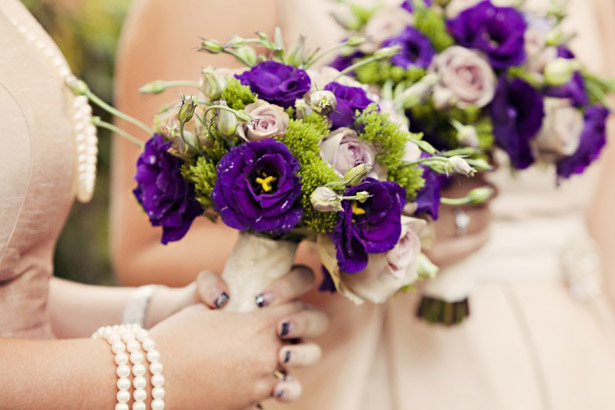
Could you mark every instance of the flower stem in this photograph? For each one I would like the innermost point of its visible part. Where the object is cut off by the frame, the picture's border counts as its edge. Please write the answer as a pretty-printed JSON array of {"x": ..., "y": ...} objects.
[
  {"x": 323, "y": 53},
  {"x": 102, "y": 124},
  {"x": 455, "y": 201},
  {"x": 96, "y": 100},
  {"x": 384, "y": 54}
]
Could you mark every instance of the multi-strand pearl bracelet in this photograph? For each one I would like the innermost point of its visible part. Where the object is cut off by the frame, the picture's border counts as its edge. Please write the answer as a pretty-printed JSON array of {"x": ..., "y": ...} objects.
[{"x": 128, "y": 344}]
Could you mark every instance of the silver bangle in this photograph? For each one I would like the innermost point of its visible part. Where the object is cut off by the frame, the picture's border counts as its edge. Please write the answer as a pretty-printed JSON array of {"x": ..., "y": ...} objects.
[{"x": 137, "y": 304}]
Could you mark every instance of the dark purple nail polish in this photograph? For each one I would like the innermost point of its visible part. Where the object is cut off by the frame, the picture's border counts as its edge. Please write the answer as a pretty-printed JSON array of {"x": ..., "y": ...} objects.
[
  {"x": 279, "y": 393},
  {"x": 285, "y": 329},
  {"x": 263, "y": 299},
  {"x": 287, "y": 356},
  {"x": 221, "y": 300},
  {"x": 258, "y": 406}
]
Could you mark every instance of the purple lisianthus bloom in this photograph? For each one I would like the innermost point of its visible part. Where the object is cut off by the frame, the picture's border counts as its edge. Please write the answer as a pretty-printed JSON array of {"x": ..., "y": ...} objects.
[
  {"x": 349, "y": 100},
  {"x": 370, "y": 227},
  {"x": 593, "y": 139},
  {"x": 516, "y": 112},
  {"x": 428, "y": 197},
  {"x": 276, "y": 83},
  {"x": 342, "y": 62},
  {"x": 258, "y": 187},
  {"x": 327, "y": 284},
  {"x": 496, "y": 31},
  {"x": 166, "y": 197},
  {"x": 574, "y": 90},
  {"x": 564, "y": 52},
  {"x": 416, "y": 50},
  {"x": 408, "y": 5}
]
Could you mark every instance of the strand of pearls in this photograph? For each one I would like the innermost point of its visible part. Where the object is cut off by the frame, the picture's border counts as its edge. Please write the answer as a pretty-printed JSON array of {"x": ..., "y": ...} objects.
[
  {"x": 126, "y": 342},
  {"x": 81, "y": 115}
]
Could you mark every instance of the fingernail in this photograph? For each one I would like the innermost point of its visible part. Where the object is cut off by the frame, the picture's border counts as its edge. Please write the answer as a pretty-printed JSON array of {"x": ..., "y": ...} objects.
[
  {"x": 279, "y": 393},
  {"x": 221, "y": 300},
  {"x": 258, "y": 406},
  {"x": 263, "y": 299},
  {"x": 285, "y": 329},
  {"x": 287, "y": 356}
]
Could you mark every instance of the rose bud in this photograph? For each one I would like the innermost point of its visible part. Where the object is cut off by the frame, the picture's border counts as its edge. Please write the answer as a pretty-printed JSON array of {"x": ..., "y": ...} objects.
[
  {"x": 186, "y": 111},
  {"x": 326, "y": 200},
  {"x": 459, "y": 165},
  {"x": 559, "y": 71},
  {"x": 355, "y": 175},
  {"x": 212, "y": 84},
  {"x": 323, "y": 102}
]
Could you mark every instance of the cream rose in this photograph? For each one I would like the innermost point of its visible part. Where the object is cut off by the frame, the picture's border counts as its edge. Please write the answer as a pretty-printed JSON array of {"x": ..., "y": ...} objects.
[
  {"x": 561, "y": 130},
  {"x": 268, "y": 121},
  {"x": 383, "y": 25},
  {"x": 343, "y": 150},
  {"x": 466, "y": 78},
  {"x": 388, "y": 272}
]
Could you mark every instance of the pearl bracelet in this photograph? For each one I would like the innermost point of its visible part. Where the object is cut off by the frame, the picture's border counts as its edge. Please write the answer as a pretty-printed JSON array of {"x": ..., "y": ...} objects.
[{"x": 126, "y": 342}]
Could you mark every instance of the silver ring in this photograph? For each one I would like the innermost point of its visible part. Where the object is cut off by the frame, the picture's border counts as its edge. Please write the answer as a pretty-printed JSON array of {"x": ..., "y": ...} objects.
[{"x": 462, "y": 222}]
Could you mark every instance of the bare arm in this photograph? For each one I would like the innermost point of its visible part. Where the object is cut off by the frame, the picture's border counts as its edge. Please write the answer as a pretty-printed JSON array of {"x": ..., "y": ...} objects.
[{"x": 159, "y": 42}]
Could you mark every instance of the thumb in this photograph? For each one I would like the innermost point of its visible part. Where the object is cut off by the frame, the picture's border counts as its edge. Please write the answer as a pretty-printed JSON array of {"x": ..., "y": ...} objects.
[{"x": 211, "y": 290}]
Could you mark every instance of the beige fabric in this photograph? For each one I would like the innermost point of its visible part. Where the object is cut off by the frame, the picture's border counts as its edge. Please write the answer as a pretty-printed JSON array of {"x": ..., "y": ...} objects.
[
  {"x": 36, "y": 164},
  {"x": 528, "y": 344}
]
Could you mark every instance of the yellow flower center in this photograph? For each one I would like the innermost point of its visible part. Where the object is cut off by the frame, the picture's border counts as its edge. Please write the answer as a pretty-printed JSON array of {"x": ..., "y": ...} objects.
[
  {"x": 265, "y": 182},
  {"x": 356, "y": 209}
]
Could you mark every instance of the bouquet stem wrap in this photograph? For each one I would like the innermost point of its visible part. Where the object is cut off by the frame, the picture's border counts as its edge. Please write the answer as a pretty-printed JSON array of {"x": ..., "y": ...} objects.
[{"x": 254, "y": 264}]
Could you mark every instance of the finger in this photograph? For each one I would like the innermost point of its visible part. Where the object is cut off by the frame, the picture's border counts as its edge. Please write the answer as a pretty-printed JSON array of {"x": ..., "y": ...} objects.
[
  {"x": 304, "y": 323},
  {"x": 287, "y": 390},
  {"x": 289, "y": 287},
  {"x": 211, "y": 290},
  {"x": 277, "y": 313},
  {"x": 305, "y": 354}
]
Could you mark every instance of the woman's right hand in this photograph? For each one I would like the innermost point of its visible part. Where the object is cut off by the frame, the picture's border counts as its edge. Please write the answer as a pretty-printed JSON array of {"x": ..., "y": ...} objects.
[{"x": 216, "y": 359}]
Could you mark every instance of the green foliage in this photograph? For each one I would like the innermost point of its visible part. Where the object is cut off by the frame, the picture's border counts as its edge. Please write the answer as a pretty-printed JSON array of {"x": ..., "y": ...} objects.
[
  {"x": 302, "y": 138},
  {"x": 202, "y": 175},
  {"x": 236, "y": 95},
  {"x": 432, "y": 24},
  {"x": 410, "y": 177},
  {"x": 381, "y": 72},
  {"x": 378, "y": 130}
]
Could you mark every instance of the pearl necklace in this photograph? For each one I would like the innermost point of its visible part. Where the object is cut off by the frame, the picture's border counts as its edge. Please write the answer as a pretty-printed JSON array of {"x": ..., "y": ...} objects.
[{"x": 84, "y": 131}]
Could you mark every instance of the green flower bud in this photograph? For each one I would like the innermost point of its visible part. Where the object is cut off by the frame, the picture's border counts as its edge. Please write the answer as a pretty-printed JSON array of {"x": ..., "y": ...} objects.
[
  {"x": 480, "y": 195},
  {"x": 466, "y": 134},
  {"x": 355, "y": 175},
  {"x": 323, "y": 102},
  {"x": 458, "y": 165},
  {"x": 559, "y": 71},
  {"x": 386, "y": 52},
  {"x": 211, "y": 46},
  {"x": 155, "y": 87},
  {"x": 186, "y": 111},
  {"x": 182, "y": 146},
  {"x": 247, "y": 54},
  {"x": 355, "y": 41},
  {"x": 227, "y": 123},
  {"x": 480, "y": 165},
  {"x": 426, "y": 268},
  {"x": 243, "y": 116},
  {"x": 362, "y": 196},
  {"x": 325, "y": 199},
  {"x": 212, "y": 84}
]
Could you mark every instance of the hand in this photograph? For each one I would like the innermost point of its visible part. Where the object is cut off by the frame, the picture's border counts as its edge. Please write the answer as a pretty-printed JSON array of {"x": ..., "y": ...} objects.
[{"x": 451, "y": 243}]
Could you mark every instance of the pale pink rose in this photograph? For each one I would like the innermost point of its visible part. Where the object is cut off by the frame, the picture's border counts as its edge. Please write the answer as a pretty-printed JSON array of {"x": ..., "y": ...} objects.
[
  {"x": 383, "y": 25},
  {"x": 466, "y": 78},
  {"x": 268, "y": 121},
  {"x": 538, "y": 53},
  {"x": 343, "y": 150},
  {"x": 561, "y": 130},
  {"x": 388, "y": 272}
]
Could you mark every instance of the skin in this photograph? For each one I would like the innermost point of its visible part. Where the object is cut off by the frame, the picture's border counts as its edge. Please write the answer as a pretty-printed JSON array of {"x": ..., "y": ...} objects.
[{"x": 201, "y": 348}]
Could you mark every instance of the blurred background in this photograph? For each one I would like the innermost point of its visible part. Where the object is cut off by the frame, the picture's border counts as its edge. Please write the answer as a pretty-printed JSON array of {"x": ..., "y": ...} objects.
[{"x": 87, "y": 33}]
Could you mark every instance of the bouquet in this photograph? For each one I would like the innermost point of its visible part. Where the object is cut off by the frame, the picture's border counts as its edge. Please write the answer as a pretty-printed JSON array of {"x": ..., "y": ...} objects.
[
  {"x": 284, "y": 153},
  {"x": 493, "y": 75}
]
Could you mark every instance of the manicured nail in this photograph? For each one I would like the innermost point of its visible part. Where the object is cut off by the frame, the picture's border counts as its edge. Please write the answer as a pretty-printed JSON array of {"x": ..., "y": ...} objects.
[
  {"x": 279, "y": 393},
  {"x": 285, "y": 329},
  {"x": 221, "y": 300},
  {"x": 263, "y": 299},
  {"x": 258, "y": 406},
  {"x": 287, "y": 356}
]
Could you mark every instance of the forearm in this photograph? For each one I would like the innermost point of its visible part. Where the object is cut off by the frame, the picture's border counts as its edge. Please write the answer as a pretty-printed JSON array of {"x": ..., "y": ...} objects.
[
  {"x": 66, "y": 374},
  {"x": 77, "y": 310}
]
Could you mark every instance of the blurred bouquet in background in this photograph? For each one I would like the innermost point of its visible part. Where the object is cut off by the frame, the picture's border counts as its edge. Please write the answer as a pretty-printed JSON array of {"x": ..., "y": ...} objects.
[
  {"x": 283, "y": 153},
  {"x": 493, "y": 75}
]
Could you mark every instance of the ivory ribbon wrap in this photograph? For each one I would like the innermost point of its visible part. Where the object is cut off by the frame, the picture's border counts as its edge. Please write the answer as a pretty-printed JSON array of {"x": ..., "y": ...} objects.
[{"x": 253, "y": 265}]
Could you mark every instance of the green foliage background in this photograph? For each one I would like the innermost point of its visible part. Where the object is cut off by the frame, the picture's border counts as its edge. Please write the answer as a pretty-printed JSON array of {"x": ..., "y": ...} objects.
[{"x": 87, "y": 33}]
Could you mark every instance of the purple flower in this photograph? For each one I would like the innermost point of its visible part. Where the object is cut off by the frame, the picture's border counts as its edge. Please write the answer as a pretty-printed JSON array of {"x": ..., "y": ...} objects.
[
  {"x": 574, "y": 90},
  {"x": 496, "y": 31},
  {"x": 416, "y": 50},
  {"x": 258, "y": 187},
  {"x": 349, "y": 100},
  {"x": 370, "y": 227},
  {"x": 342, "y": 62},
  {"x": 408, "y": 5},
  {"x": 593, "y": 139},
  {"x": 517, "y": 112},
  {"x": 167, "y": 199},
  {"x": 276, "y": 83},
  {"x": 564, "y": 52},
  {"x": 428, "y": 197}
]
